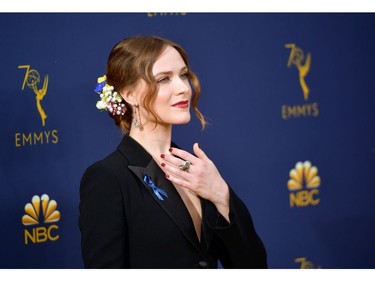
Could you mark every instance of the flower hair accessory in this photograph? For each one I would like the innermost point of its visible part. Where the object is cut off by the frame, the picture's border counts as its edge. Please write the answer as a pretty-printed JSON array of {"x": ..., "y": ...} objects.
[{"x": 109, "y": 99}]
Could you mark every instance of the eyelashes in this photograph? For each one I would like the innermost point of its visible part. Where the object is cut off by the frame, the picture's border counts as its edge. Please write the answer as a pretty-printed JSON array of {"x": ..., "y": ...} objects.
[
  {"x": 163, "y": 80},
  {"x": 166, "y": 79}
]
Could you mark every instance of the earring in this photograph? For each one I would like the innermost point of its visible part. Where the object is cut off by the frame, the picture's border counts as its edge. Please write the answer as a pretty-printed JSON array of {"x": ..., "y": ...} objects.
[{"x": 137, "y": 118}]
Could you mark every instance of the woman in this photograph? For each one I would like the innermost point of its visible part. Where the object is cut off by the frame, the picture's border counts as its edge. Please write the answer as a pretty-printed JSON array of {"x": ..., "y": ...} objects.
[{"x": 151, "y": 204}]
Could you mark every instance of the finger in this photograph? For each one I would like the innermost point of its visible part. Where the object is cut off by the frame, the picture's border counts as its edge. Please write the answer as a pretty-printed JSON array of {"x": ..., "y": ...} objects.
[
  {"x": 173, "y": 160},
  {"x": 182, "y": 154},
  {"x": 171, "y": 169},
  {"x": 199, "y": 152},
  {"x": 178, "y": 181}
]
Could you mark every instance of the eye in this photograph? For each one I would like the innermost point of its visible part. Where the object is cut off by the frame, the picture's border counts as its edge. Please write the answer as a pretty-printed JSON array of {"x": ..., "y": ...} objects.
[
  {"x": 184, "y": 75},
  {"x": 164, "y": 79}
]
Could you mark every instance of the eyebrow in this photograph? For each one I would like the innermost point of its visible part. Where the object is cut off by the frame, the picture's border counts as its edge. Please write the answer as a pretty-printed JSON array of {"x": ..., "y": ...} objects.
[{"x": 170, "y": 72}]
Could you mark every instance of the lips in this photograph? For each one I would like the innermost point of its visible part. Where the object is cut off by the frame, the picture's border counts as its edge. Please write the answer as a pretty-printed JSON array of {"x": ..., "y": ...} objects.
[{"x": 181, "y": 104}]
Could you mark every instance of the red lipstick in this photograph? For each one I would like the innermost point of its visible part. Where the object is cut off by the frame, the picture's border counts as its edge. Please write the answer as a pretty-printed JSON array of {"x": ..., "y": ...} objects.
[{"x": 181, "y": 104}]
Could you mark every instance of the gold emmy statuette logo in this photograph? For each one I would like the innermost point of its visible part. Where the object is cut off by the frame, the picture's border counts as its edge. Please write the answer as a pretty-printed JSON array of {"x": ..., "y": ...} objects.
[
  {"x": 305, "y": 264},
  {"x": 303, "y": 185},
  {"x": 41, "y": 210},
  {"x": 302, "y": 63},
  {"x": 21, "y": 139},
  {"x": 32, "y": 79},
  {"x": 297, "y": 58}
]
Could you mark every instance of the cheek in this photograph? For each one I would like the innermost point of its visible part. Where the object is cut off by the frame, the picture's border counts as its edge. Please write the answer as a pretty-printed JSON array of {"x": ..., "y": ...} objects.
[
  {"x": 163, "y": 97},
  {"x": 160, "y": 104}
]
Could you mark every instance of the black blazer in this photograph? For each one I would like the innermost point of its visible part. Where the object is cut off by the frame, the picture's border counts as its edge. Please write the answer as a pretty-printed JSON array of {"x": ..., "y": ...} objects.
[{"x": 125, "y": 225}]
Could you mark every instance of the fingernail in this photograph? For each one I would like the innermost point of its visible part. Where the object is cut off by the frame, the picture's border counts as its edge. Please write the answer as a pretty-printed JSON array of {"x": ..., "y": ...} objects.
[
  {"x": 163, "y": 164},
  {"x": 170, "y": 150},
  {"x": 167, "y": 176},
  {"x": 162, "y": 156}
]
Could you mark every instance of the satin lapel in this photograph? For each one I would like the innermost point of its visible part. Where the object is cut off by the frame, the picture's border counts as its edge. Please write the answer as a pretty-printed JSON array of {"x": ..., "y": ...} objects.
[
  {"x": 206, "y": 231},
  {"x": 173, "y": 204}
]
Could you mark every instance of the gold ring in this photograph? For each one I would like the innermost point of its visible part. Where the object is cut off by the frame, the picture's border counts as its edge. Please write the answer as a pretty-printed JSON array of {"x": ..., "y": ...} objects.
[{"x": 185, "y": 167}]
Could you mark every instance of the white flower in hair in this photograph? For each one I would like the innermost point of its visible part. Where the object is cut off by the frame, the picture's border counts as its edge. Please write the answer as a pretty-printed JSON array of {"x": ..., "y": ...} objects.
[
  {"x": 101, "y": 105},
  {"x": 109, "y": 99}
]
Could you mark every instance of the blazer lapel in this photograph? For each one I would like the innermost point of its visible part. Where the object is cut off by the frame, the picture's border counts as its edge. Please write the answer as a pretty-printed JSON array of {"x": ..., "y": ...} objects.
[{"x": 173, "y": 204}]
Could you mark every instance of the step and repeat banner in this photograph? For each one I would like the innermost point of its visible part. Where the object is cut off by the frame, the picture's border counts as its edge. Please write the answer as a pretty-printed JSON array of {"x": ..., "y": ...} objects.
[{"x": 290, "y": 99}]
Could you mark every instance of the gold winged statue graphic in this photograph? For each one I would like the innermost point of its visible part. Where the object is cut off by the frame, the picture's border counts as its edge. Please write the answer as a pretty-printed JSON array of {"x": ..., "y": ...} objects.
[
  {"x": 32, "y": 79},
  {"x": 297, "y": 57}
]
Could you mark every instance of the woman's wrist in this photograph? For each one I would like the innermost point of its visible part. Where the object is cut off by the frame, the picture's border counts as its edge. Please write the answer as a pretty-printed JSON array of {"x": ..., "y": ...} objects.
[{"x": 222, "y": 202}]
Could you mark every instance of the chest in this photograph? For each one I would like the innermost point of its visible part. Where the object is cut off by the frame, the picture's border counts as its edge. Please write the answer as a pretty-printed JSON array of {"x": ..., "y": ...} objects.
[
  {"x": 193, "y": 205},
  {"x": 180, "y": 212}
]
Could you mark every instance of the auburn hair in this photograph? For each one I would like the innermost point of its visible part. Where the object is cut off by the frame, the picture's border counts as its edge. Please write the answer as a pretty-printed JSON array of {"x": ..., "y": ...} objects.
[{"x": 132, "y": 59}]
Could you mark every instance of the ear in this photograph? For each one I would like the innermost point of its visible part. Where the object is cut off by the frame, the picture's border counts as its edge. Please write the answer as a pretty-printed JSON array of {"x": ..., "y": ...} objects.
[
  {"x": 129, "y": 96},
  {"x": 133, "y": 95}
]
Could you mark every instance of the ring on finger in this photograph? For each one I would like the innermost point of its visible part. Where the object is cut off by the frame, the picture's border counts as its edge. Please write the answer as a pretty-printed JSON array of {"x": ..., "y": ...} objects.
[{"x": 185, "y": 166}]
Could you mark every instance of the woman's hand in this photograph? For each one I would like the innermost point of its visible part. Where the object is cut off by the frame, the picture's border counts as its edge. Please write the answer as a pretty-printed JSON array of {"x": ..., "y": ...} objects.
[{"x": 202, "y": 176}]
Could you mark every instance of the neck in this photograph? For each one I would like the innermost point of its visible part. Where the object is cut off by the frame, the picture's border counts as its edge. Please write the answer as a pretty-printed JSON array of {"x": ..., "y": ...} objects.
[{"x": 155, "y": 141}]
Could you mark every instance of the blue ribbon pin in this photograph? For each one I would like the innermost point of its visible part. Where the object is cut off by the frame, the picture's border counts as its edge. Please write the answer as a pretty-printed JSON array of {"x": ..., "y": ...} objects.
[{"x": 157, "y": 191}]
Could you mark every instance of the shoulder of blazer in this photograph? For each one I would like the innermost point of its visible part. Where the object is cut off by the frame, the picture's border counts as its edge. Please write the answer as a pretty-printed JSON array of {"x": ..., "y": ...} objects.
[
  {"x": 134, "y": 152},
  {"x": 128, "y": 153}
]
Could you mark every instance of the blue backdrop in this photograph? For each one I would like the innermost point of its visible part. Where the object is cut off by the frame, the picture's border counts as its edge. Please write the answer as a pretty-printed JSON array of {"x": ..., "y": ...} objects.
[{"x": 289, "y": 97}]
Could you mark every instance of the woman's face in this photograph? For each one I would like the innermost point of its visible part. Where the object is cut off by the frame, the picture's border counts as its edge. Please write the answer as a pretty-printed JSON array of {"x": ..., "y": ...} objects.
[{"x": 172, "y": 102}]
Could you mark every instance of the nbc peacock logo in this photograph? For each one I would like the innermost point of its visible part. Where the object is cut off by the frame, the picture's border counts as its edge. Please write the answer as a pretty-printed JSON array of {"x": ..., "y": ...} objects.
[
  {"x": 303, "y": 185},
  {"x": 44, "y": 211},
  {"x": 305, "y": 263}
]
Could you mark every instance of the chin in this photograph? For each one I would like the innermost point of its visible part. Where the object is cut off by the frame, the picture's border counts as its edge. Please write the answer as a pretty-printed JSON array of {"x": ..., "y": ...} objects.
[{"x": 182, "y": 121}]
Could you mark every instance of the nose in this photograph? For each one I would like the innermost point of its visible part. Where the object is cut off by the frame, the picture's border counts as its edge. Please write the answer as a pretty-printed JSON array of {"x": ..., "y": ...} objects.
[{"x": 182, "y": 86}]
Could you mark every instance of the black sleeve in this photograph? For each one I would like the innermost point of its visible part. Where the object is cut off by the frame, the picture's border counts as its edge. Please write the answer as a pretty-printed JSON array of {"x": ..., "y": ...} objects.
[
  {"x": 102, "y": 219},
  {"x": 237, "y": 243}
]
